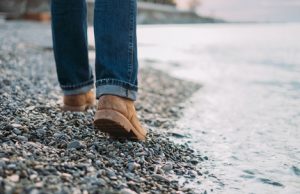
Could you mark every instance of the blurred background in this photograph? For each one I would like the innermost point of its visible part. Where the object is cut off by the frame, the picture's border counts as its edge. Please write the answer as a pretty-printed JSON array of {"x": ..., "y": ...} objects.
[
  {"x": 246, "y": 56},
  {"x": 150, "y": 11},
  {"x": 178, "y": 11}
]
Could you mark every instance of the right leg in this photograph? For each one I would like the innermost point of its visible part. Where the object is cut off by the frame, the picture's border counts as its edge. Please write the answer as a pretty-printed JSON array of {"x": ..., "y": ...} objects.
[
  {"x": 69, "y": 29},
  {"x": 117, "y": 68}
]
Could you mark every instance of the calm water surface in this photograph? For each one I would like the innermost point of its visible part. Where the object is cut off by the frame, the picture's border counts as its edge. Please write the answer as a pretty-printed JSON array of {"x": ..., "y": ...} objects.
[{"x": 246, "y": 117}]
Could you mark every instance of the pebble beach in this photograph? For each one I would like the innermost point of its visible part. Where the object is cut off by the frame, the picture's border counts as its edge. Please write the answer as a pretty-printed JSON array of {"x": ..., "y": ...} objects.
[{"x": 45, "y": 150}]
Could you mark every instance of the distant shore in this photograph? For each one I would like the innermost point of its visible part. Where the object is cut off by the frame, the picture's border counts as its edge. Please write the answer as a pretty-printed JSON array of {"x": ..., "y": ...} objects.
[{"x": 148, "y": 13}]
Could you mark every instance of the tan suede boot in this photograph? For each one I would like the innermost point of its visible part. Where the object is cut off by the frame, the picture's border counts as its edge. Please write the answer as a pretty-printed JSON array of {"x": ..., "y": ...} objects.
[
  {"x": 117, "y": 117},
  {"x": 79, "y": 102},
  {"x": 42, "y": 16}
]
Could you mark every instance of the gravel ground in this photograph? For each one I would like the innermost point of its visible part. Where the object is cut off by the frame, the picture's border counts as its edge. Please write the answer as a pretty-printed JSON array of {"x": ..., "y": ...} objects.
[{"x": 44, "y": 150}]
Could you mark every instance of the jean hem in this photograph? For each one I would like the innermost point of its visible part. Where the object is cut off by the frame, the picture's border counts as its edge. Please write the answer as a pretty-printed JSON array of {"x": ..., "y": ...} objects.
[
  {"x": 116, "y": 90},
  {"x": 77, "y": 86},
  {"x": 116, "y": 82},
  {"x": 81, "y": 90}
]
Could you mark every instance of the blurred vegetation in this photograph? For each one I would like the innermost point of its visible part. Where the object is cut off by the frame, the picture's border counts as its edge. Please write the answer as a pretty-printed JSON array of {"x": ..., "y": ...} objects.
[{"x": 168, "y": 2}]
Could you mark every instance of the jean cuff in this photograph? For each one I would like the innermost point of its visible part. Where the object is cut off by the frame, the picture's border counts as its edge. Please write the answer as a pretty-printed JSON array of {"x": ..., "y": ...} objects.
[
  {"x": 80, "y": 90},
  {"x": 116, "y": 90},
  {"x": 116, "y": 87}
]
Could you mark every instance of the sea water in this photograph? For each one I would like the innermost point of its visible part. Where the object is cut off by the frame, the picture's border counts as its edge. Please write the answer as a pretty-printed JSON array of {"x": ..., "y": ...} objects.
[{"x": 246, "y": 116}]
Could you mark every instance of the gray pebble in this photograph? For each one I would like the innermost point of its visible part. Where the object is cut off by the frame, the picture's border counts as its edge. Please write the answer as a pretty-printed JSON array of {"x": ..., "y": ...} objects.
[
  {"x": 167, "y": 167},
  {"x": 132, "y": 166},
  {"x": 160, "y": 178},
  {"x": 75, "y": 145},
  {"x": 12, "y": 167},
  {"x": 111, "y": 174},
  {"x": 41, "y": 132},
  {"x": 22, "y": 138},
  {"x": 17, "y": 131},
  {"x": 127, "y": 191},
  {"x": 194, "y": 161}
]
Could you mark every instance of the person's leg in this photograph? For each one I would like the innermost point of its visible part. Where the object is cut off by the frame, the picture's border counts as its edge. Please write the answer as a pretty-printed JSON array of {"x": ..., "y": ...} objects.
[
  {"x": 69, "y": 29},
  {"x": 116, "y": 48},
  {"x": 116, "y": 69}
]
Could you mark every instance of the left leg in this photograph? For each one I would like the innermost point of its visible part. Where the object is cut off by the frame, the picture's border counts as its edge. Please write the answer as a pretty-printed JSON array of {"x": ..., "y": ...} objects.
[{"x": 69, "y": 30}]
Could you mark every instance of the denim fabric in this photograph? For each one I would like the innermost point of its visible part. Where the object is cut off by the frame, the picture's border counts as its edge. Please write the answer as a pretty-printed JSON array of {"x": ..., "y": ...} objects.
[{"x": 116, "y": 47}]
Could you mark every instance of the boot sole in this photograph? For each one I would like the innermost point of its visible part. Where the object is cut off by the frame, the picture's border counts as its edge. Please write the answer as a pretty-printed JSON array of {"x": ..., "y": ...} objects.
[{"x": 116, "y": 125}]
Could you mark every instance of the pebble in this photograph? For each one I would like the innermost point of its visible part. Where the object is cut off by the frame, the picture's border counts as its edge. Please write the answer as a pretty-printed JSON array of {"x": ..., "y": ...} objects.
[
  {"x": 194, "y": 162},
  {"x": 41, "y": 132},
  {"x": 15, "y": 125},
  {"x": 66, "y": 176},
  {"x": 133, "y": 166},
  {"x": 177, "y": 135},
  {"x": 130, "y": 176},
  {"x": 111, "y": 174},
  {"x": 192, "y": 173},
  {"x": 12, "y": 167},
  {"x": 22, "y": 138},
  {"x": 101, "y": 182},
  {"x": 167, "y": 167},
  {"x": 160, "y": 178},
  {"x": 33, "y": 176},
  {"x": 39, "y": 184},
  {"x": 34, "y": 191},
  {"x": 127, "y": 191},
  {"x": 17, "y": 131},
  {"x": 75, "y": 145},
  {"x": 14, "y": 178}
]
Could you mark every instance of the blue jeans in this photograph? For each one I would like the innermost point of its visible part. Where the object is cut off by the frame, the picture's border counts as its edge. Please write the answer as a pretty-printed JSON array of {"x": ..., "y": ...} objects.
[{"x": 116, "y": 47}]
